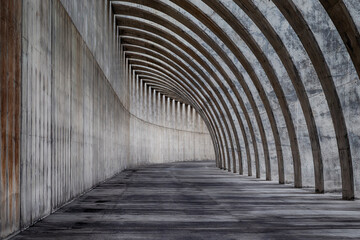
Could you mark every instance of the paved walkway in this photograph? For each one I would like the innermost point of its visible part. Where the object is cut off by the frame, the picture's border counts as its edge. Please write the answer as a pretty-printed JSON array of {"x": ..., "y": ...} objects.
[{"x": 195, "y": 200}]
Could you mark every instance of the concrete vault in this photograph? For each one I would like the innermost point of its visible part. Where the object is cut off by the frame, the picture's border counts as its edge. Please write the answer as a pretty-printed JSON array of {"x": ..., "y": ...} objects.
[{"x": 268, "y": 89}]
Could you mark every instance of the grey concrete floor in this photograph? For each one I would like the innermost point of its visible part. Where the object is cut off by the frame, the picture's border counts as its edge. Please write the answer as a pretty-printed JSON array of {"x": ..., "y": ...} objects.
[{"x": 195, "y": 200}]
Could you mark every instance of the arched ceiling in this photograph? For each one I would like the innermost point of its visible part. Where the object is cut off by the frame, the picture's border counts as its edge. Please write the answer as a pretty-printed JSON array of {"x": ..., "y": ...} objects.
[{"x": 243, "y": 65}]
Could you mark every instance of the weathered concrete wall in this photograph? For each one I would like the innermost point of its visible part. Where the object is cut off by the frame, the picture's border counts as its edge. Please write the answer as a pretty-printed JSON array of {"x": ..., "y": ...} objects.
[
  {"x": 164, "y": 130},
  {"x": 66, "y": 123},
  {"x": 10, "y": 82},
  {"x": 157, "y": 144},
  {"x": 275, "y": 82},
  {"x": 149, "y": 141},
  {"x": 97, "y": 30},
  {"x": 74, "y": 127}
]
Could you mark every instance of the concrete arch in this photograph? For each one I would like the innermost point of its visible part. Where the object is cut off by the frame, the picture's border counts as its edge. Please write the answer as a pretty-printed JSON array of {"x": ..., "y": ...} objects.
[
  {"x": 298, "y": 23},
  {"x": 92, "y": 89},
  {"x": 170, "y": 56},
  {"x": 165, "y": 92},
  {"x": 191, "y": 89},
  {"x": 197, "y": 13},
  {"x": 285, "y": 57},
  {"x": 220, "y": 135},
  {"x": 164, "y": 88},
  {"x": 225, "y": 91},
  {"x": 295, "y": 79},
  {"x": 250, "y": 9},
  {"x": 156, "y": 40},
  {"x": 253, "y": 136},
  {"x": 207, "y": 39},
  {"x": 178, "y": 69},
  {"x": 139, "y": 70},
  {"x": 346, "y": 27},
  {"x": 166, "y": 83},
  {"x": 349, "y": 36}
]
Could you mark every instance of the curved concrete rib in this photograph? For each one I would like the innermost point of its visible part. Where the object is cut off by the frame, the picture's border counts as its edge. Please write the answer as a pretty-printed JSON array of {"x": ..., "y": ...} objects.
[
  {"x": 166, "y": 83},
  {"x": 183, "y": 73},
  {"x": 151, "y": 41},
  {"x": 187, "y": 22},
  {"x": 209, "y": 56},
  {"x": 193, "y": 65},
  {"x": 201, "y": 112},
  {"x": 251, "y": 10},
  {"x": 204, "y": 70},
  {"x": 183, "y": 83},
  {"x": 171, "y": 82},
  {"x": 346, "y": 27},
  {"x": 166, "y": 80},
  {"x": 171, "y": 56},
  {"x": 300, "y": 26},
  {"x": 164, "y": 88}
]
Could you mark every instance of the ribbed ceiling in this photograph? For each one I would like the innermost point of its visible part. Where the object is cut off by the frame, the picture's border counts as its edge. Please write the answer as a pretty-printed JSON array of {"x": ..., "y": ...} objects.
[{"x": 242, "y": 64}]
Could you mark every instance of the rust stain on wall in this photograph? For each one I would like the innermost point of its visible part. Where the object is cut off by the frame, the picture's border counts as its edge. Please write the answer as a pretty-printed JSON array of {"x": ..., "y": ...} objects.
[{"x": 10, "y": 104}]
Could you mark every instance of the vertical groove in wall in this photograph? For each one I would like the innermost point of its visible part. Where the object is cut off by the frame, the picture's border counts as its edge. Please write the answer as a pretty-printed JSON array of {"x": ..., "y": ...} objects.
[
  {"x": 10, "y": 104},
  {"x": 69, "y": 115},
  {"x": 75, "y": 131}
]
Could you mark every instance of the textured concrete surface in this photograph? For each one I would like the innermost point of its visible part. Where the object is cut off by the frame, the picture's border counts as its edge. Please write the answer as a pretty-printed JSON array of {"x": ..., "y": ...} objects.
[
  {"x": 195, "y": 200},
  {"x": 291, "y": 113},
  {"x": 10, "y": 104},
  {"x": 63, "y": 126},
  {"x": 73, "y": 126},
  {"x": 269, "y": 89}
]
